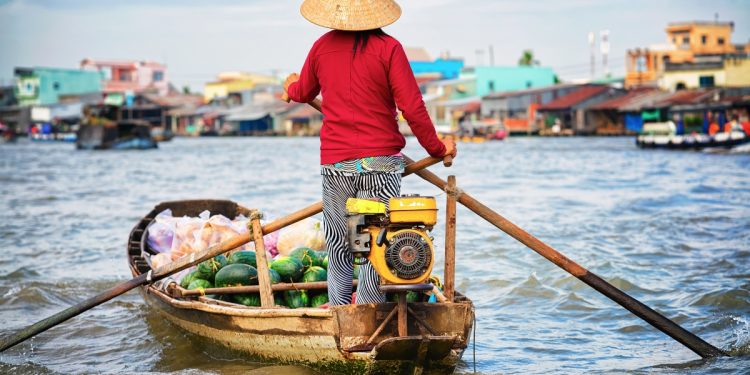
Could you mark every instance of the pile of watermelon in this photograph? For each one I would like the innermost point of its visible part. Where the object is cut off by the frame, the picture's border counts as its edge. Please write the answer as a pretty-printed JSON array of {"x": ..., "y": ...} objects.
[{"x": 302, "y": 265}]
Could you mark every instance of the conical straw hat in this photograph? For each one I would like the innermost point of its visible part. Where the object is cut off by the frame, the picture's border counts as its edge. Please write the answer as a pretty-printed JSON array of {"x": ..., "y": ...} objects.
[{"x": 351, "y": 15}]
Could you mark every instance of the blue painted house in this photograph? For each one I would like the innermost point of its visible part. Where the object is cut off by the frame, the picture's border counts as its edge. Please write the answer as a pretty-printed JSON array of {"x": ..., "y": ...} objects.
[
  {"x": 491, "y": 79},
  {"x": 447, "y": 68},
  {"x": 47, "y": 86}
]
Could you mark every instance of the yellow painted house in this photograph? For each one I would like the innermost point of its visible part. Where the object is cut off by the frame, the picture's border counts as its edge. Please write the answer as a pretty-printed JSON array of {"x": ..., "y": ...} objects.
[
  {"x": 697, "y": 54},
  {"x": 234, "y": 82}
]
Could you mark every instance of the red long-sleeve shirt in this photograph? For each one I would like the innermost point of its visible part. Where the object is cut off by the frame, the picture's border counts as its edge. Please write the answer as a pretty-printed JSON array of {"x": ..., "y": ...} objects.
[{"x": 360, "y": 94}]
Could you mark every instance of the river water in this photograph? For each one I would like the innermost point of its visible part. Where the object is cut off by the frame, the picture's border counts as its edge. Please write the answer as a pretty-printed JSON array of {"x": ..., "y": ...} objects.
[{"x": 670, "y": 228}]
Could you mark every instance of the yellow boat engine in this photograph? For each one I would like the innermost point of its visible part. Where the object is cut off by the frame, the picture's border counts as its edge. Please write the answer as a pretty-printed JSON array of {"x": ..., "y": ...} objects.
[{"x": 395, "y": 241}]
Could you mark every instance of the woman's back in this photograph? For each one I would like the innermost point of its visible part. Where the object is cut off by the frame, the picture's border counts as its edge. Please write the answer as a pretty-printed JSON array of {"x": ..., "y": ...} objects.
[{"x": 360, "y": 92}]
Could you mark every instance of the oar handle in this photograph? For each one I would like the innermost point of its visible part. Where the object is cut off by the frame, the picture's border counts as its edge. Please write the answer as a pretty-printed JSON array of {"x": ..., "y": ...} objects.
[{"x": 315, "y": 103}]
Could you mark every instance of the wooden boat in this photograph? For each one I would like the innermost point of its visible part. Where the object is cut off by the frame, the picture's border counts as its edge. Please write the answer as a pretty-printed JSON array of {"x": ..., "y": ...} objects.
[
  {"x": 692, "y": 141},
  {"x": 122, "y": 135},
  {"x": 341, "y": 339}
]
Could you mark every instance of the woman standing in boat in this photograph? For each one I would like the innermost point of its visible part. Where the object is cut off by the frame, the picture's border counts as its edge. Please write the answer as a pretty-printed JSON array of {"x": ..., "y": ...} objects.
[{"x": 362, "y": 74}]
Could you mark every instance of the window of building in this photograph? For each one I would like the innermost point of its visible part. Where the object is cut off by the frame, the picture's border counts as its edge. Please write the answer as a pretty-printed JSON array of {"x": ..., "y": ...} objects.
[
  {"x": 106, "y": 73},
  {"x": 704, "y": 38},
  {"x": 640, "y": 64},
  {"x": 685, "y": 40},
  {"x": 56, "y": 86},
  {"x": 706, "y": 81},
  {"x": 491, "y": 85},
  {"x": 720, "y": 41},
  {"x": 125, "y": 76},
  {"x": 158, "y": 76},
  {"x": 528, "y": 84},
  {"x": 680, "y": 86}
]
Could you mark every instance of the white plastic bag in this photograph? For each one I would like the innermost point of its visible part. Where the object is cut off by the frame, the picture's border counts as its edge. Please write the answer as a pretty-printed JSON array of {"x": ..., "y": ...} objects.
[{"x": 306, "y": 233}]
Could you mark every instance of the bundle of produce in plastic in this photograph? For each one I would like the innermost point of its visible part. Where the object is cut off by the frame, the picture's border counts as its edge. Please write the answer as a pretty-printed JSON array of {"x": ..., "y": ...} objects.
[{"x": 174, "y": 237}]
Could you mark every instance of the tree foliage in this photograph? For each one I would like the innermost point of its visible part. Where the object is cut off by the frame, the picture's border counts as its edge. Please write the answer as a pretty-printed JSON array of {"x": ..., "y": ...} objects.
[{"x": 527, "y": 59}]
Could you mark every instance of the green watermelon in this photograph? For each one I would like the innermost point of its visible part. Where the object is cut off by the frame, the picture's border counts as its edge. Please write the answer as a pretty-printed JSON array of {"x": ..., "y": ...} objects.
[
  {"x": 200, "y": 284},
  {"x": 411, "y": 296},
  {"x": 318, "y": 257},
  {"x": 355, "y": 273},
  {"x": 290, "y": 269},
  {"x": 207, "y": 269},
  {"x": 244, "y": 257},
  {"x": 185, "y": 282},
  {"x": 278, "y": 299},
  {"x": 296, "y": 298},
  {"x": 275, "y": 277},
  {"x": 319, "y": 299},
  {"x": 306, "y": 256},
  {"x": 313, "y": 274},
  {"x": 325, "y": 262},
  {"x": 236, "y": 275},
  {"x": 252, "y": 299}
]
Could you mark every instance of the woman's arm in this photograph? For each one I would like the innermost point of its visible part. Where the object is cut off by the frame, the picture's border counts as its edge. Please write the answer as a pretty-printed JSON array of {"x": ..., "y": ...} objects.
[
  {"x": 306, "y": 87},
  {"x": 409, "y": 101}
]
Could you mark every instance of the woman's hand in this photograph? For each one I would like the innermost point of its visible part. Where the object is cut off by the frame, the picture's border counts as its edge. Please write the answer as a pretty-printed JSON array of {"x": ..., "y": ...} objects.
[
  {"x": 294, "y": 77},
  {"x": 450, "y": 147}
]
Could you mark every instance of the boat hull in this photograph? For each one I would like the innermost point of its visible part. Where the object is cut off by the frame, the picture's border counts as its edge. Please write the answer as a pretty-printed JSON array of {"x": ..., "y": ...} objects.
[
  {"x": 689, "y": 142},
  {"x": 331, "y": 340}
]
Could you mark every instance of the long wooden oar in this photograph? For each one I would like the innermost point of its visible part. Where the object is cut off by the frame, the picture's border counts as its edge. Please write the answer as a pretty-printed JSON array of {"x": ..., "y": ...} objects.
[
  {"x": 177, "y": 266},
  {"x": 660, "y": 322}
]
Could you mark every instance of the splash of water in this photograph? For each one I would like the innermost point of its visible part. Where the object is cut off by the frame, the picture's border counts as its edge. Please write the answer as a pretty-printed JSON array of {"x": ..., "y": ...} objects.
[{"x": 741, "y": 331}]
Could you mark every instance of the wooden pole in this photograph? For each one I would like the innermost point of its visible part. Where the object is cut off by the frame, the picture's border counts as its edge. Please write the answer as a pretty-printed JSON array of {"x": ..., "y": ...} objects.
[
  {"x": 403, "y": 328},
  {"x": 280, "y": 287},
  {"x": 450, "y": 239},
  {"x": 264, "y": 277},
  {"x": 658, "y": 321}
]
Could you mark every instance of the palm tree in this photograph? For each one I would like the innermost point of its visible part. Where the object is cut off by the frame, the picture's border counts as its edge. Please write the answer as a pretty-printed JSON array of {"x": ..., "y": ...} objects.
[{"x": 527, "y": 59}]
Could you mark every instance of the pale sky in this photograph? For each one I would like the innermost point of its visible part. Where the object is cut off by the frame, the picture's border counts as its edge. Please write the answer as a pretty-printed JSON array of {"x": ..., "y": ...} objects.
[{"x": 199, "y": 38}]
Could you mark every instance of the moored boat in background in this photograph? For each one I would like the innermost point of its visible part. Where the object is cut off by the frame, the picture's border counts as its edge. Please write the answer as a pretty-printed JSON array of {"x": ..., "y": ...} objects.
[
  {"x": 122, "y": 135},
  {"x": 662, "y": 135}
]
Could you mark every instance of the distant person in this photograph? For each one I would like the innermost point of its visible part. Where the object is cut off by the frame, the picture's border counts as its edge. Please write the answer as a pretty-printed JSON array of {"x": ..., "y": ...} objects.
[
  {"x": 734, "y": 124},
  {"x": 363, "y": 75},
  {"x": 713, "y": 127},
  {"x": 557, "y": 126},
  {"x": 465, "y": 127}
]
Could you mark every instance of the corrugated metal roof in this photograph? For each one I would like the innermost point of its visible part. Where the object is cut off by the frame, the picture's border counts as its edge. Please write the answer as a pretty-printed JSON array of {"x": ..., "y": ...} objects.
[
  {"x": 417, "y": 54},
  {"x": 647, "y": 100},
  {"x": 507, "y": 94},
  {"x": 624, "y": 100},
  {"x": 575, "y": 97},
  {"x": 686, "y": 97},
  {"x": 302, "y": 111}
]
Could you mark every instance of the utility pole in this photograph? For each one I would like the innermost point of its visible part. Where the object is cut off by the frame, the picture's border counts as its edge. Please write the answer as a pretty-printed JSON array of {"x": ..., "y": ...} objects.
[
  {"x": 480, "y": 57},
  {"x": 592, "y": 45}
]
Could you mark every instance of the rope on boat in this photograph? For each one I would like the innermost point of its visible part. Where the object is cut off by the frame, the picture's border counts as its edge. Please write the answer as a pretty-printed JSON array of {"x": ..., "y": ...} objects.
[{"x": 456, "y": 192}]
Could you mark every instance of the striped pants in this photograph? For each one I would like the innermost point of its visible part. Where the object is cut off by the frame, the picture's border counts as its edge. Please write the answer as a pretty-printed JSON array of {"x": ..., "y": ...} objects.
[{"x": 336, "y": 190}]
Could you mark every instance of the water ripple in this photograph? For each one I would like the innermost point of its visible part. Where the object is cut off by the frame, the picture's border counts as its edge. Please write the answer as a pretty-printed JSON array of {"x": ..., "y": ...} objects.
[{"x": 671, "y": 229}]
